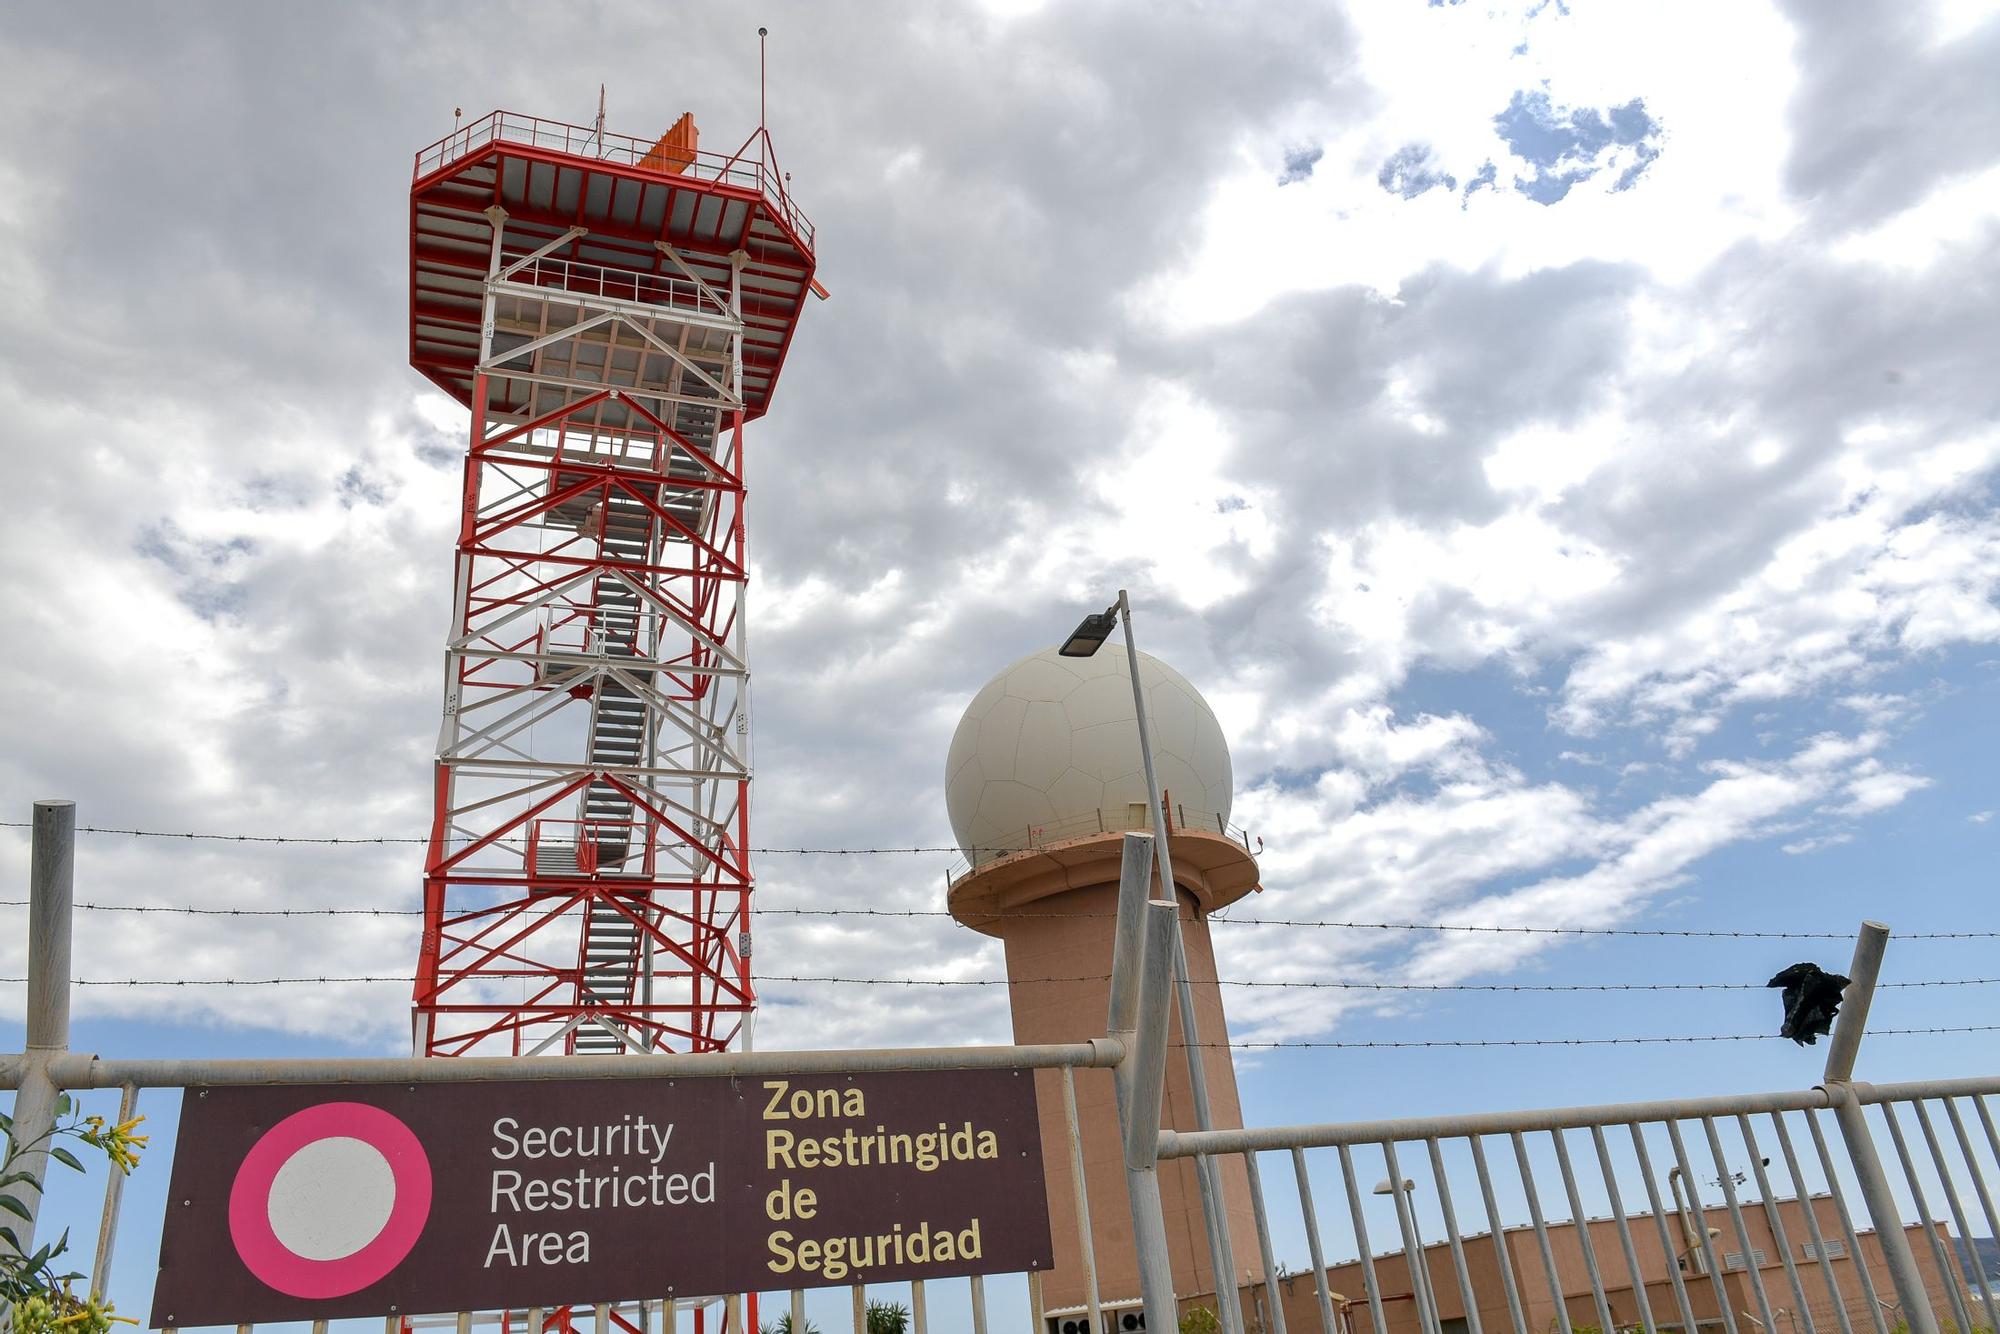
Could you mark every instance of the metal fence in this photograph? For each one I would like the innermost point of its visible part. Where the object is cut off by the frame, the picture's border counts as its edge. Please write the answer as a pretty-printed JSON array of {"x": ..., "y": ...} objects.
[
  {"x": 1732, "y": 1214},
  {"x": 1769, "y": 1213},
  {"x": 1739, "y": 1214},
  {"x": 46, "y": 1070}
]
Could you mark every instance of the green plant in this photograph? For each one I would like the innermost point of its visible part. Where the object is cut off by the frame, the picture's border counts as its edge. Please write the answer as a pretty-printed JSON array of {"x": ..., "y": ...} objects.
[
  {"x": 1199, "y": 1320},
  {"x": 888, "y": 1318},
  {"x": 784, "y": 1326},
  {"x": 34, "y": 1298}
]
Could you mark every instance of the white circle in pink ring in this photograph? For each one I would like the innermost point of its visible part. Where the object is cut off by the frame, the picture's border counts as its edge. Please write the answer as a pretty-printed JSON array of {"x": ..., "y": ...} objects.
[{"x": 250, "y": 1200}]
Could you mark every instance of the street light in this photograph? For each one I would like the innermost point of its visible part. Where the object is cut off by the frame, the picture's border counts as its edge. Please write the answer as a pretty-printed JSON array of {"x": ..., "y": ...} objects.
[
  {"x": 1413, "y": 1253},
  {"x": 1689, "y": 1234},
  {"x": 1084, "y": 642},
  {"x": 1088, "y": 637}
]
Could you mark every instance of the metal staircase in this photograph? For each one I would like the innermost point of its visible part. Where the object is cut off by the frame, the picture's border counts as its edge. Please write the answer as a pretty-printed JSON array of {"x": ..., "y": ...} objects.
[{"x": 620, "y": 729}]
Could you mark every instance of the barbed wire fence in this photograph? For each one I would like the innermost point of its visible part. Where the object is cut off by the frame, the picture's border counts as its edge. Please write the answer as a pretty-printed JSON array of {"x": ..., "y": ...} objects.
[{"x": 906, "y": 983}]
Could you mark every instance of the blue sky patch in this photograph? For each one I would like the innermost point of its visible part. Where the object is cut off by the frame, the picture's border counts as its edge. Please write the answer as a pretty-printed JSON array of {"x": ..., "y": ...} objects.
[
  {"x": 1564, "y": 146},
  {"x": 1299, "y": 164},
  {"x": 1483, "y": 179},
  {"x": 1410, "y": 172}
]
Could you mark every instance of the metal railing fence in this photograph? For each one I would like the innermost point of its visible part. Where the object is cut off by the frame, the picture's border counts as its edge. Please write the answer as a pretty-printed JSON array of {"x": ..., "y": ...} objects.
[
  {"x": 1740, "y": 1214},
  {"x": 1731, "y": 1212},
  {"x": 1846, "y": 1208},
  {"x": 547, "y": 274},
  {"x": 736, "y": 170},
  {"x": 46, "y": 1070}
]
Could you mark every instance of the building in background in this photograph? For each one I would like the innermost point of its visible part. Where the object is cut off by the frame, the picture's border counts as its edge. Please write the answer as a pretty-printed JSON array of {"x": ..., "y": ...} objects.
[{"x": 1863, "y": 1293}]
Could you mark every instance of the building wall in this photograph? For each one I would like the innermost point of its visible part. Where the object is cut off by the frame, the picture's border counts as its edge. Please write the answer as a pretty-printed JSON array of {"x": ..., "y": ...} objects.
[{"x": 1058, "y": 971}]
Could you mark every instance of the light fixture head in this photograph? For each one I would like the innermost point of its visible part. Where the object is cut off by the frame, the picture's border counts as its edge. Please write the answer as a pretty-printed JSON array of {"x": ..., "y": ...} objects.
[{"x": 1089, "y": 636}]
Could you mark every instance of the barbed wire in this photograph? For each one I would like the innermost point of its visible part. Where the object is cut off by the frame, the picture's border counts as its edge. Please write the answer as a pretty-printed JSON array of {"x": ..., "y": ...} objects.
[
  {"x": 1690, "y": 933},
  {"x": 1270, "y": 983},
  {"x": 410, "y": 840},
  {"x": 1631, "y": 932},
  {"x": 1278, "y": 1045},
  {"x": 1687, "y": 933}
]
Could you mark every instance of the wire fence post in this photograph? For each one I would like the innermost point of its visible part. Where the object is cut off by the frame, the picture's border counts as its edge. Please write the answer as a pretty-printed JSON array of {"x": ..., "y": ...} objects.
[
  {"x": 1852, "y": 1118},
  {"x": 51, "y": 892},
  {"x": 1141, "y": 994}
]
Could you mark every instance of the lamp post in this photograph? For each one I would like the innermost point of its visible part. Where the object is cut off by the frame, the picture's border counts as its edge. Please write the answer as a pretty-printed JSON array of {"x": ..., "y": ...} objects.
[
  {"x": 1413, "y": 1251},
  {"x": 1083, "y": 642}
]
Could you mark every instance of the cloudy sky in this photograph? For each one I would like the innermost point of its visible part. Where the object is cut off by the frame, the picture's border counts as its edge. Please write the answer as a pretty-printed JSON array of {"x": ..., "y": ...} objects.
[{"x": 1559, "y": 438}]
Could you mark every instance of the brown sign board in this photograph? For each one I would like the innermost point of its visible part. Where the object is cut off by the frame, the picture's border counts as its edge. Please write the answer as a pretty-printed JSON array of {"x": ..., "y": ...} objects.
[{"x": 309, "y": 1202}]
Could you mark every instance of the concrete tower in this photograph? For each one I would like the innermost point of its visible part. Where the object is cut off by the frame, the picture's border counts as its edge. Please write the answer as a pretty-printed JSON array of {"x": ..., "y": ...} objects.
[{"x": 1043, "y": 780}]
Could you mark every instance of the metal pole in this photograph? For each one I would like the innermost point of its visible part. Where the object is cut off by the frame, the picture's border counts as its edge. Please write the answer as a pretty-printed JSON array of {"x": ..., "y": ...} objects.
[
  {"x": 1135, "y": 871},
  {"x": 1326, "y": 1321},
  {"x": 114, "y": 1194},
  {"x": 1148, "y": 1052},
  {"x": 1082, "y": 1195},
  {"x": 1277, "y": 1317},
  {"x": 1882, "y": 1210},
  {"x": 77, "y": 1070},
  {"x": 1214, "y": 1217},
  {"x": 1853, "y": 1122},
  {"x": 1414, "y": 1258},
  {"x": 1141, "y": 1081},
  {"x": 1469, "y": 1301},
  {"x": 1133, "y": 970},
  {"x": 51, "y": 888},
  {"x": 1855, "y": 1000}
]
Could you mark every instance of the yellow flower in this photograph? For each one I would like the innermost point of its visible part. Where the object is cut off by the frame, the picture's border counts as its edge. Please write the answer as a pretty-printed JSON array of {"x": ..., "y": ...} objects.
[{"x": 118, "y": 1142}]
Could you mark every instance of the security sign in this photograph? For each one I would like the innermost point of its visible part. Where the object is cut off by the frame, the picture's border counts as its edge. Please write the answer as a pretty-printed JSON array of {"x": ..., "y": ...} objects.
[{"x": 315, "y": 1202}]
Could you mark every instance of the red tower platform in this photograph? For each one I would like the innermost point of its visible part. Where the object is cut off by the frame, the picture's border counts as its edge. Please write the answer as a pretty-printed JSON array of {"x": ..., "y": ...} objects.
[{"x": 613, "y": 311}]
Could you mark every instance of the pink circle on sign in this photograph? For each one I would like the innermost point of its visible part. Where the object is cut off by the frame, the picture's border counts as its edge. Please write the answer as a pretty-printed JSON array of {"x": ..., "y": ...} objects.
[{"x": 250, "y": 1200}]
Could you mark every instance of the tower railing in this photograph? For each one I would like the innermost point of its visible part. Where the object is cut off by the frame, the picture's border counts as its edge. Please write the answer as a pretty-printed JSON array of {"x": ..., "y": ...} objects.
[
  {"x": 621, "y": 149},
  {"x": 1087, "y": 824},
  {"x": 548, "y": 273}
]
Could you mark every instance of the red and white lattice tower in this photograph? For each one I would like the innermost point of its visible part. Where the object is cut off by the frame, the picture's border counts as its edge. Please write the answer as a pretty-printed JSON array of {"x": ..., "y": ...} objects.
[{"x": 613, "y": 311}]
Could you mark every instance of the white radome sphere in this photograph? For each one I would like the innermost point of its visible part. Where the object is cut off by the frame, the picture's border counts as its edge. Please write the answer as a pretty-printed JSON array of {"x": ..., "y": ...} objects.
[{"x": 1052, "y": 745}]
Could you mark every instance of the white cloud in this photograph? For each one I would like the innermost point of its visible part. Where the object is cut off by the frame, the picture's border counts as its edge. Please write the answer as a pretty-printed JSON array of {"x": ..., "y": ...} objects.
[
  {"x": 1440, "y": 75},
  {"x": 1953, "y": 216},
  {"x": 1875, "y": 788},
  {"x": 1636, "y": 464},
  {"x": 1574, "y": 861}
]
